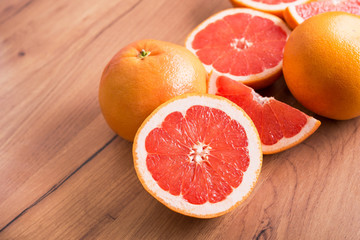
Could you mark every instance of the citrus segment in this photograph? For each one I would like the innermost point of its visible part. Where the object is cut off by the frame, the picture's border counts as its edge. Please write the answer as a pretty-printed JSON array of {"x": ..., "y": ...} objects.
[
  {"x": 243, "y": 44},
  {"x": 275, "y": 7},
  {"x": 200, "y": 155},
  {"x": 296, "y": 14},
  {"x": 280, "y": 126}
]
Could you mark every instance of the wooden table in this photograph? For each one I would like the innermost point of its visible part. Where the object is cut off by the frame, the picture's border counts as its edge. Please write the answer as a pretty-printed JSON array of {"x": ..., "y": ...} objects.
[{"x": 65, "y": 175}]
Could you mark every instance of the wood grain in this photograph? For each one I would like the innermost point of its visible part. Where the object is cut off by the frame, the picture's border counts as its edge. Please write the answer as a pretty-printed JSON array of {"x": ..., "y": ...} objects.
[{"x": 65, "y": 175}]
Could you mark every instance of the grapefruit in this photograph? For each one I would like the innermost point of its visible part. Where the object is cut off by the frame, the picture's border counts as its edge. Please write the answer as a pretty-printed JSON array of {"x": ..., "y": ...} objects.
[
  {"x": 198, "y": 154},
  {"x": 322, "y": 64},
  {"x": 242, "y": 44},
  {"x": 280, "y": 126},
  {"x": 296, "y": 14},
  {"x": 275, "y": 7},
  {"x": 143, "y": 75}
]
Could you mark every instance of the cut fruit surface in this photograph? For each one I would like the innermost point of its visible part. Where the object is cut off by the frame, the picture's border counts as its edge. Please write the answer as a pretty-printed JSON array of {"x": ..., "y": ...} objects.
[
  {"x": 280, "y": 126},
  {"x": 275, "y": 7},
  {"x": 296, "y": 14},
  {"x": 200, "y": 155},
  {"x": 243, "y": 44}
]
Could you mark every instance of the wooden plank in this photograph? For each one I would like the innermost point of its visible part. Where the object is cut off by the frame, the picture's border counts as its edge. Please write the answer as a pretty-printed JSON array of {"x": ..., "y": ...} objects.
[
  {"x": 298, "y": 196},
  {"x": 50, "y": 96},
  {"x": 51, "y": 61},
  {"x": 64, "y": 174}
]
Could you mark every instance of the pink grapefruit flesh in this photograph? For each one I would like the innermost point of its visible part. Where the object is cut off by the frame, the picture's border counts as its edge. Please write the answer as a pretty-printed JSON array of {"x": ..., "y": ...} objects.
[
  {"x": 242, "y": 44},
  {"x": 280, "y": 126},
  {"x": 295, "y": 15},
  {"x": 200, "y": 155}
]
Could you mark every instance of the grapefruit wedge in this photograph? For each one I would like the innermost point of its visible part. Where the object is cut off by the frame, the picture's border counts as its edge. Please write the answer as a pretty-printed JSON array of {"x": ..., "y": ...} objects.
[
  {"x": 280, "y": 126},
  {"x": 275, "y": 7},
  {"x": 242, "y": 44},
  {"x": 200, "y": 155},
  {"x": 296, "y": 14}
]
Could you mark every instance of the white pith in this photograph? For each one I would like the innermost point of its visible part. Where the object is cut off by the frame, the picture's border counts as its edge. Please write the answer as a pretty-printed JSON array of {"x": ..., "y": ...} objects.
[
  {"x": 243, "y": 41},
  {"x": 336, "y": 2},
  {"x": 270, "y": 7},
  {"x": 199, "y": 152},
  {"x": 298, "y": 19},
  {"x": 253, "y": 77},
  {"x": 178, "y": 203},
  {"x": 307, "y": 130},
  {"x": 260, "y": 99}
]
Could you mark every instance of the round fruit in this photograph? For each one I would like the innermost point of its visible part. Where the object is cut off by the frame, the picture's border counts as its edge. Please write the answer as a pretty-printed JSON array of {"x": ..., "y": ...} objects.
[
  {"x": 275, "y": 7},
  {"x": 142, "y": 76},
  {"x": 280, "y": 126},
  {"x": 242, "y": 44},
  {"x": 322, "y": 64},
  {"x": 296, "y": 14},
  {"x": 198, "y": 154}
]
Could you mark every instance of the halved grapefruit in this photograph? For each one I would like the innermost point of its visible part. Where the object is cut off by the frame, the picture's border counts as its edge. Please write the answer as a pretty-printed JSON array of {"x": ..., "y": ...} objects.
[
  {"x": 296, "y": 14},
  {"x": 275, "y": 7},
  {"x": 280, "y": 126},
  {"x": 200, "y": 155},
  {"x": 242, "y": 44}
]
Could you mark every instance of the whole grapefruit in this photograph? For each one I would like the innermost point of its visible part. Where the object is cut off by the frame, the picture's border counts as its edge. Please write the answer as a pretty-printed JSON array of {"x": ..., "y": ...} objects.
[
  {"x": 143, "y": 75},
  {"x": 322, "y": 64}
]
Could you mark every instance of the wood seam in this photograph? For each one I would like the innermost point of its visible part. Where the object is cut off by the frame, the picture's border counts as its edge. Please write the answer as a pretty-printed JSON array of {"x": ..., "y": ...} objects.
[{"x": 61, "y": 182}]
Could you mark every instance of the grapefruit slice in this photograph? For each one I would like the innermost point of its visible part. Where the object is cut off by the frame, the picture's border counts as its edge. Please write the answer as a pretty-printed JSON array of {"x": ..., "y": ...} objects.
[
  {"x": 280, "y": 126},
  {"x": 200, "y": 155},
  {"x": 295, "y": 15},
  {"x": 275, "y": 7},
  {"x": 242, "y": 44}
]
